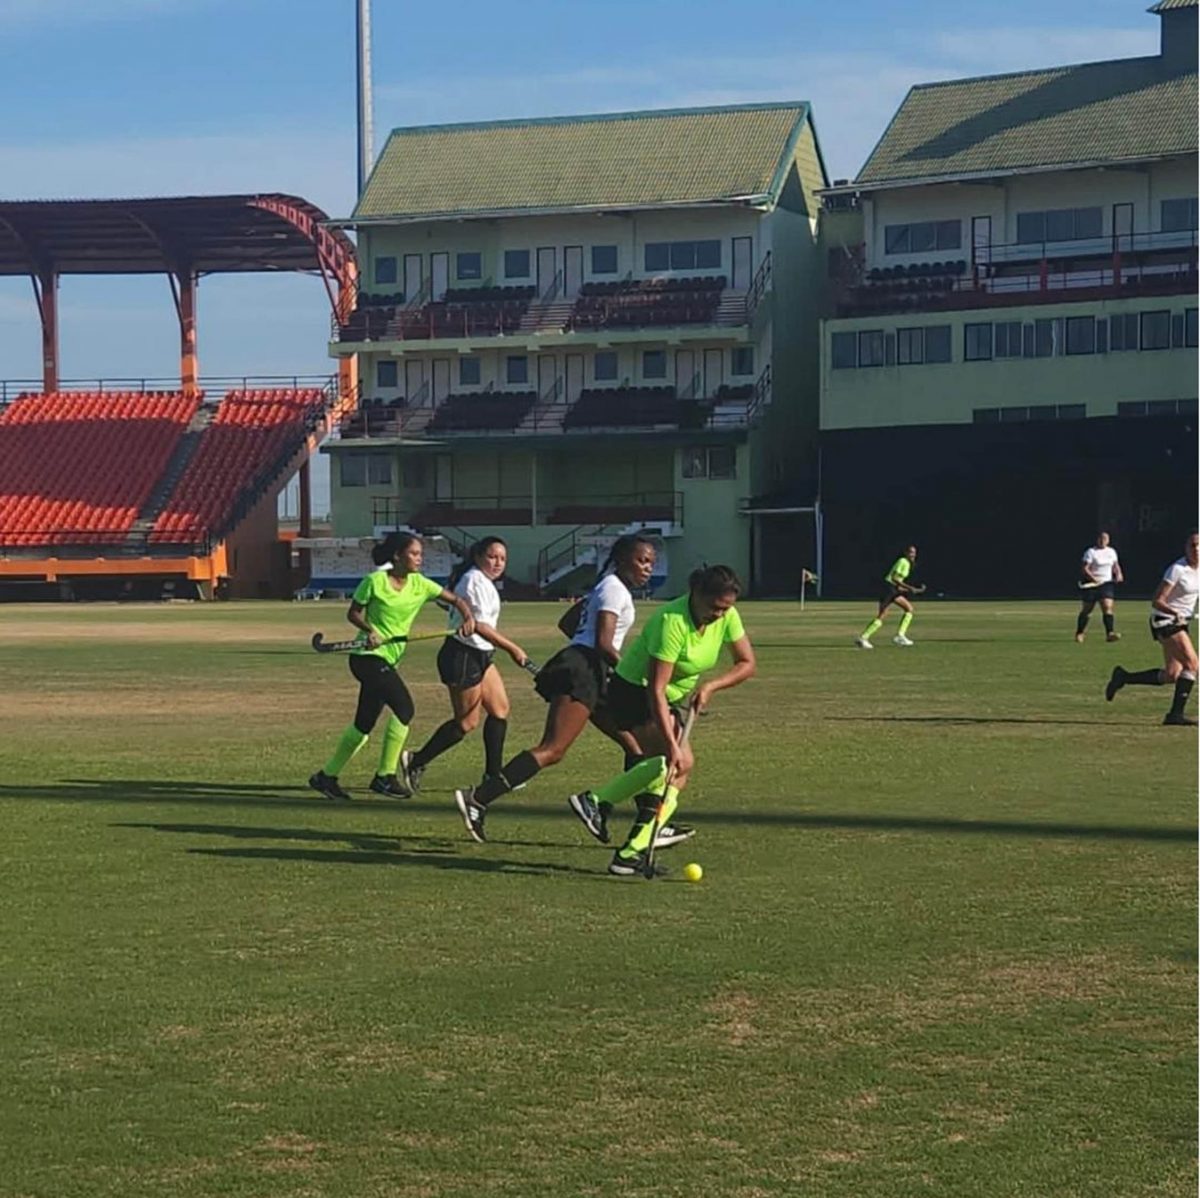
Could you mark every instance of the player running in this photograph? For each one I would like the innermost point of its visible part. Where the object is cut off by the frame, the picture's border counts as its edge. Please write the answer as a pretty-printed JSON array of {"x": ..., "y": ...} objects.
[
  {"x": 384, "y": 606},
  {"x": 896, "y": 589},
  {"x": 1173, "y": 605},
  {"x": 574, "y": 680},
  {"x": 1101, "y": 572},
  {"x": 465, "y": 664},
  {"x": 655, "y": 679}
]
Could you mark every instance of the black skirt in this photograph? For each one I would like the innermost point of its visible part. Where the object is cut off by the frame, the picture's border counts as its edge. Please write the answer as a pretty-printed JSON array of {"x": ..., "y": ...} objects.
[
  {"x": 577, "y": 672},
  {"x": 462, "y": 666}
]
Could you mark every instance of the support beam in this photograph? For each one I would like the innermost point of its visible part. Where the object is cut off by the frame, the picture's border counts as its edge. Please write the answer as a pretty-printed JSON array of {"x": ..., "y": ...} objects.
[
  {"x": 305, "y": 499},
  {"x": 189, "y": 362},
  {"x": 46, "y": 289}
]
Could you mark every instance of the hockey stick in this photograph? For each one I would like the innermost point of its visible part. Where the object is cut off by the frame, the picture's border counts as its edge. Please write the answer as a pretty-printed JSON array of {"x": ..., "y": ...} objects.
[
  {"x": 658, "y": 810},
  {"x": 321, "y": 645},
  {"x": 531, "y": 667}
]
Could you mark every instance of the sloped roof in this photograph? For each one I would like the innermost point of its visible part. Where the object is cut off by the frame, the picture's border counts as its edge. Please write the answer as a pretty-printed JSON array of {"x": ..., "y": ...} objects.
[
  {"x": 1168, "y": 5},
  {"x": 616, "y": 160},
  {"x": 1127, "y": 110}
]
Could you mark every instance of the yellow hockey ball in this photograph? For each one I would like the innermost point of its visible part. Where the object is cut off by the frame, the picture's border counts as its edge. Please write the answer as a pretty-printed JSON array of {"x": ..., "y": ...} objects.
[{"x": 693, "y": 872}]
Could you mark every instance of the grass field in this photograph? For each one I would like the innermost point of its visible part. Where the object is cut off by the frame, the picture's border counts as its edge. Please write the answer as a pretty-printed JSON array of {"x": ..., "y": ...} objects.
[{"x": 945, "y": 943}]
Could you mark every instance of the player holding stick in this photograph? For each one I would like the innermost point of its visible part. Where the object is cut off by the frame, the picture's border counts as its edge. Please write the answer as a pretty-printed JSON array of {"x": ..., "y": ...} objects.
[
  {"x": 1101, "y": 572},
  {"x": 656, "y": 679},
  {"x": 896, "y": 589},
  {"x": 1173, "y": 605},
  {"x": 384, "y": 605},
  {"x": 466, "y": 668}
]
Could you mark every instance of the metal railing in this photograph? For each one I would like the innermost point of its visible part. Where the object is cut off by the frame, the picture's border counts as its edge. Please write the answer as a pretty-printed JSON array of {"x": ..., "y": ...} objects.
[
  {"x": 760, "y": 286},
  {"x": 83, "y": 544},
  {"x": 10, "y": 389}
]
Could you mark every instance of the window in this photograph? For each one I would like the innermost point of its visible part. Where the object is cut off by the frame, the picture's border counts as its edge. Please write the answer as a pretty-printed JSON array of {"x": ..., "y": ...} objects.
[
  {"x": 870, "y": 347},
  {"x": 1060, "y": 224},
  {"x": 695, "y": 463},
  {"x": 385, "y": 270},
  {"x": 843, "y": 355},
  {"x": 516, "y": 369},
  {"x": 516, "y": 264},
  {"x": 387, "y": 373},
  {"x": 923, "y": 238},
  {"x": 468, "y": 372},
  {"x": 1179, "y": 215},
  {"x": 1081, "y": 334},
  {"x": 910, "y": 346},
  {"x": 604, "y": 366},
  {"x": 937, "y": 343},
  {"x": 1189, "y": 338},
  {"x": 682, "y": 255},
  {"x": 1008, "y": 339},
  {"x": 1177, "y": 331},
  {"x": 1123, "y": 332},
  {"x": 654, "y": 364},
  {"x": 469, "y": 266},
  {"x": 1156, "y": 330},
  {"x": 604, "y": 259},
  {"x": 741, "y": 360},
  {"x": 1047, "y": 338},
  {"x": 379, "y": 470},
  {"x": 977, "y": 343},
  {"x": 722, "y": 462},
  {"x": 354, "y": 469}
]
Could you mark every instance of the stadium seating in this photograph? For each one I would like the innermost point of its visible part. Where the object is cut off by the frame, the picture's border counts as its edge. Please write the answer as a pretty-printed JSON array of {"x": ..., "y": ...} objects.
[
  {"x": 625, "y": 407},
  {"x": 491, "y": 410},
  {"x": 637, "y": 303},
  {"x": 252, "y": 438},
  {"x": 463, "y": 312},
  {"x": 77, "y": 467}
]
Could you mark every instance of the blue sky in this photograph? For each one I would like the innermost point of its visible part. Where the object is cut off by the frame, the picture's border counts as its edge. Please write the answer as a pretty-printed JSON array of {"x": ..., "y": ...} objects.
[{"x": 162, "y": 97}]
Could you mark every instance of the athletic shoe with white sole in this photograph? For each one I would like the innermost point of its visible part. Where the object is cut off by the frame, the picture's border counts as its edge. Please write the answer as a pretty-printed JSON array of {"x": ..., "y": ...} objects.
[
  {"x": 672, "y": 834},
  {"x": 472, "y": 813},
  {"x": 863, "y": 643},
  {"x": 1113, "y": 636},
  {"x": 1115, "y": 682},
  {"x": 409, "y": 774},
  {"x": 591, "y": 814},
  {"x": 327, "y": 786},
  {"x": 902, "y": 641},
  {"x": 633, "y": 866},
  {"x": 390, "y": 786}
]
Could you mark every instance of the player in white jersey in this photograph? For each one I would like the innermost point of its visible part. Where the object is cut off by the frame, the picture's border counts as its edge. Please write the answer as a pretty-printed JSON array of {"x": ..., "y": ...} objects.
[
  {"x": 1100, "y": 571},
  {"x": 573, "y": 681},
  {"x": 465, "y": 664},
  {"x": 1173, "y": 605}
]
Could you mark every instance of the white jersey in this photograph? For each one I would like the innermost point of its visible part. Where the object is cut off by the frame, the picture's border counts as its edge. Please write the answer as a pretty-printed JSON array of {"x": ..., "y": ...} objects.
[
  {"x": 1099, "y": 563},
  {"x": 484, "y": 601},
  {"x": 609, "y": 594},
  {"x": 1182, "y": 592}
]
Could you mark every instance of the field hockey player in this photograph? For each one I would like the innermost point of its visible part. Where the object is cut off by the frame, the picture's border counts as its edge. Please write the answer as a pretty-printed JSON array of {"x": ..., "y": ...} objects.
[
  {"x": 896, "y": 589},
  {"x": 1100, "y": 571}
]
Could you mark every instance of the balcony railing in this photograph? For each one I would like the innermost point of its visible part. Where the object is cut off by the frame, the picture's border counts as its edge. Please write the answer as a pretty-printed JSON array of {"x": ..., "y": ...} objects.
[{"x": 759, "y": 288}]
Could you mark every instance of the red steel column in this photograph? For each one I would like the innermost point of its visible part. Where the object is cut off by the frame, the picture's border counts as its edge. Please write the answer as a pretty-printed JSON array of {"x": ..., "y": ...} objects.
[{"x": 189, "y": 364}]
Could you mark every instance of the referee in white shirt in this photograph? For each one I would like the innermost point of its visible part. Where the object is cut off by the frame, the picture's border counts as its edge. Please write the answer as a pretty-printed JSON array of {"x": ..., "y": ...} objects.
[
  {"x": 1101, "y": 572},
  {"x": 1173, "y": 605}
]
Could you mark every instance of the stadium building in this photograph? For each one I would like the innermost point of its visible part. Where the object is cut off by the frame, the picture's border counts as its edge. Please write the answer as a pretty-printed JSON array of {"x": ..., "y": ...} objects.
[
  {"x": 572, "y": 327},
  {"x": 1009, "y": 357}
]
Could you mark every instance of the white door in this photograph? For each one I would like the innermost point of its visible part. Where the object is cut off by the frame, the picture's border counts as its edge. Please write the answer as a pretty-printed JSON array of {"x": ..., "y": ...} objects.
[
  {"x": 414, "y": 382},
  {"x": 981, "y": 240},
  {"x": 439, "y": 275},
  {"x": 714, "y": 371},
  {"x": 547, "y": 268},
  {"x": 687, "y": 384},
  {"x": 547, "y": 376},
  {"x": 572, "y": 271},
  {"x": 574, "y": 377},
  {"x": 414, "y": 276},
  {"x": 441, "y": 379},
  {"x": 743, "y": 263},
  {"x": 1122, "y": 215}
]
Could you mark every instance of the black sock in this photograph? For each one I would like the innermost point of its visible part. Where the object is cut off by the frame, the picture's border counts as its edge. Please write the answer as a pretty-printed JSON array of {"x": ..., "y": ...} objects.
[
  {"x": 1081, "y": 623},
  {"x": 1108, "y": 622},
  {"x": 520, "y": 769},
  {"x": 446, "y": 737},
  {"x": 494, "y": 732},
  {"x": 1144, "y": 678},
  {"x": 1183, "y": 688},
  {"x": 647, "y": 810}
]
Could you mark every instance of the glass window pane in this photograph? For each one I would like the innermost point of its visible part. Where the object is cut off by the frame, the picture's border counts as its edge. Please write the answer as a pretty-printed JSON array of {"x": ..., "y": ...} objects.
[
  {"x": 1178, "y": 215},
  {"x": 385, "y": 270},
  {"x": 842, "y": 351},
  {"x": 516, "y": 369},
  {"x": 895, "y": 239},
  {"x": 468, "y": 372},
  {"x": 870, "y": 348},
  {"x": 469, "y": 266},
  {"x": 683, "y": 255},
  {"x": 1031, "y": 227},
  {"x": 658, "y": 255},
  {"x": 1060, "y": 224},
  {"x": 741, "y": 360},
  {"x": 949, "y": 234},
  {"x": 379, "y": 470},
  {"x": 977, "y": 342},
  {"x": 937, "y": 343},
  {"x": 986, "y": 415},
  {"x": 910, "y": 347},
  {"x": 1081, "y": 335},
  {"x": 654, "y": 364},
  {"x": 386, "y": 373},
  {"x": 516, "y": 264},
  {"x": 604, "y": 366},
  {"x": 722, "y": 462},
  {"x": 354, "y": 469},
  {"x": 708, "y": 255},
  {"x": 1089, "y": 222},
  {"x": 1044, "y": 338},
  {"x": 695, "y": 462},
  {"x": 1190, "y": 332},
  {"x": 922, "y": 237},
  {"x": 1072, "y": 411},
  {"x": 604, "y": 259},
  {"x": 1013, "y": 415},
  {"x": 1156, "y": 330}
]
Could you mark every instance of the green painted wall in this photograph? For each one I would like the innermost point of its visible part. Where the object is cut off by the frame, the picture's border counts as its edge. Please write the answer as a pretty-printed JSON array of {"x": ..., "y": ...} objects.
[{"x": 714, "y": 531}]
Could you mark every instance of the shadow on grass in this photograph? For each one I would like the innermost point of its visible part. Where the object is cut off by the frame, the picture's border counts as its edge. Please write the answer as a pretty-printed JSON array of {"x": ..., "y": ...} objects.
[
  {"x": 253, "y": 795},
  {"x": 976, "y": 719}
]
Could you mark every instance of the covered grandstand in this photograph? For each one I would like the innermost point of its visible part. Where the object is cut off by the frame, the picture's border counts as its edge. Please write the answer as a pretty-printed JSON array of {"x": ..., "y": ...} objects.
[{"x": 138, "y": 490}]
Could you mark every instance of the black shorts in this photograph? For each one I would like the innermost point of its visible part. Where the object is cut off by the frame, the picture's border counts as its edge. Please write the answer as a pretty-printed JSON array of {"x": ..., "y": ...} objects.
[
  {"x": 1106, "y": 590},
  {"x": 1161, "y": 632},
  {"x": 462, "y": 666},
  {"x": 888, "y": 595},
  {"x": 577, "y": 672},
  {"x": 629, "y": 705}
]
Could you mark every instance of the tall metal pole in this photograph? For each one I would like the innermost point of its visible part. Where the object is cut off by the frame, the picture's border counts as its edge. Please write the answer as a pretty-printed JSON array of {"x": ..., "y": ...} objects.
[{"x": 366, "y": 151}]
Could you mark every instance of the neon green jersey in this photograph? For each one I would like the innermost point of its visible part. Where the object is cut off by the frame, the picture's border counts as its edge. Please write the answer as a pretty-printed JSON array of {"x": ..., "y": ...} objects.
[
  {"x": 391, "y": 612},
  {"x": 670, "y": 635},
  {"x": 900, "y": 571}
]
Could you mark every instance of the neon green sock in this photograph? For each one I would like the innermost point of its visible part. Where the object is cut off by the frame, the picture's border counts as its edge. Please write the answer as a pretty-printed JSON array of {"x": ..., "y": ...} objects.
[
  {"x": 348, "y": 744},
  {"x": 643, "y": 777},
  {"x": 639, "y": 834},
  {"x": 394, "y": 736},
  {"x": 872, "y": 628},
  {"x": 905, "y": 621}
]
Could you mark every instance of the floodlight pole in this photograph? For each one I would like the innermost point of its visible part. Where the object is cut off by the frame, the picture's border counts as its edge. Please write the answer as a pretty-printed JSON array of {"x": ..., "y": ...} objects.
[{"x": 366, "y": 151}]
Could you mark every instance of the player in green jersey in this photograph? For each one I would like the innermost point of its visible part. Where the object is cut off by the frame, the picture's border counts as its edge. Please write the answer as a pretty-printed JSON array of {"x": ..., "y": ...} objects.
[
  {"x": 656, "y": 679},
  {"x": 897, "y": 586},
  {"x": 384, "y": 606}
]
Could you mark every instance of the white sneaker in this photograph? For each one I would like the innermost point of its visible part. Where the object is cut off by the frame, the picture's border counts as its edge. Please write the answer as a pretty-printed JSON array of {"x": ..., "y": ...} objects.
[
  {"x": 863, "y": 643},
  {"x": 902, "y": 640}
]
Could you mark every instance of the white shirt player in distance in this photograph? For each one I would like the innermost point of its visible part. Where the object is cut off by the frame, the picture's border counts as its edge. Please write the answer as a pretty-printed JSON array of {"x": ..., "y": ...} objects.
[{"x": 1100, "y": 568}]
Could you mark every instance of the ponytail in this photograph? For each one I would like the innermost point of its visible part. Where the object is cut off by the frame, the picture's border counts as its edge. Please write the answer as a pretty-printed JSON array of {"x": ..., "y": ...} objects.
[
  {"x": 471, "y": 558},
  {"x": 622, "y": 551},
  {"x": 713, "y": 581}
]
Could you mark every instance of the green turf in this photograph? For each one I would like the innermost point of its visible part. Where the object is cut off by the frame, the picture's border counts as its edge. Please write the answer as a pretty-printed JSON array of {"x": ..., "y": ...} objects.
[{"x": 945, "y": 943}]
